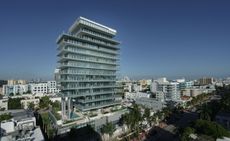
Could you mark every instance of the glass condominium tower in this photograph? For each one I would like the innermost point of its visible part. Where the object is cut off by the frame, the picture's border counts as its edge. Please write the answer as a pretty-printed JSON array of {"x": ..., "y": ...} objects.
[{"x": 88, "y": 62}]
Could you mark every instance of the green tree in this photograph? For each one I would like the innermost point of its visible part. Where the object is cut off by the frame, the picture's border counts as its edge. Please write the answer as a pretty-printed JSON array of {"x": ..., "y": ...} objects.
[
  {"x": 11, "y": 94},
  {"x": 5, "y": 116},
  {"x": 108, "y": 128},
  {"x": 14, "y": 103},
  {"x": 133, "y": 118},
  {"x": 210, "y": 128},
  {"x": 45, "y": 121},
  {"x": 205, "y": 112},
  {"x": 166, "y": 112},
  {"x": 31, "y": 106},
  {"x": 56, "y": 105},
  {"x": 146, "y": 115},
  {"x": 225, "y": 102},
  {"x": 186, "y": 132},
  {"x": 44, "y": 102},
  {"x": 153, "y": 119}
]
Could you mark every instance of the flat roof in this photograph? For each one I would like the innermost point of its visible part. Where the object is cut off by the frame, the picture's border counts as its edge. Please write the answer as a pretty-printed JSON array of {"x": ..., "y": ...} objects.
[
  {"x": 19, "y": 114},
  {"x": 92, "y": 22}
]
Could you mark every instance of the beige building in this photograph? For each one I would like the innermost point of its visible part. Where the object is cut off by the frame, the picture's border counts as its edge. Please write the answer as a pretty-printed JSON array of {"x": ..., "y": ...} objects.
[
  {"x": 16, "y": 82},
  {"x": 205, "y": 81},
  {"x": 1, "y": 91}
]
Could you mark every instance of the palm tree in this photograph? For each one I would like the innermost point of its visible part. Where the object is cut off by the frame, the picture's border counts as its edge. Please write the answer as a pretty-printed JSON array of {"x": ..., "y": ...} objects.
[
  {"x": 133, "y": 118},
  {"x": 108, "y": 128},
  {"x": 45, "y": 120},
  {"x": 146, "y": 115},
  {"x": 153, "y": 119},
  {"x": 205, "y": 112}
]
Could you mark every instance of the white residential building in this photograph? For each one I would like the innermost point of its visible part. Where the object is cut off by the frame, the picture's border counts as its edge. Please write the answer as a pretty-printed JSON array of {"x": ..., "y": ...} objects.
[
  {"x": 170, "y": 89},
  {"x": 39, "y": 88},
  {"x": 128, "y": 87},
  {"x": 153, "y": 86},
  {"x": 173, "y": 92},
  {"x": 160, "y": 96},
  {"x": 14, "y": 89},
  {"x": 137, "y": 87},
  {"x": 34, "y": 88}
]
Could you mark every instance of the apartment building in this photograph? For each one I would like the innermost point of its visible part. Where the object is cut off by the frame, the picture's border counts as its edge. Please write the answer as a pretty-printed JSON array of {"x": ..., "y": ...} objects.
[{"x": 88, "y": 60}]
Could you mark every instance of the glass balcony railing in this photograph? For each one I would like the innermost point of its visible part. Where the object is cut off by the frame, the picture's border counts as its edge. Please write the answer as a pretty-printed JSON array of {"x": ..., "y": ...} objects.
[
  {"x": 87, "y": 80},
  {"x": 66, "y": 65},
  {"x": 90, "y": 39},
  {"x": 91, "y": 47},
  {"x": 88, "y": 73},
  {"x": 89, "y": 94},
  {"x": 87, "y": 60},
  {"x": 89, "y": 87},
  {"x": 88, "y": 53},
  {"x": 95, "y": 99},
  {"x": 98, "y": 35},
  {"x": 94, "y": 106}
]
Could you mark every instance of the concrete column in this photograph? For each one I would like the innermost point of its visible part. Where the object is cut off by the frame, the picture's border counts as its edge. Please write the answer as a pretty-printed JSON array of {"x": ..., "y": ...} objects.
[
  {"x": 63, "y": 108},
  {"x": 69, "y": 107}
]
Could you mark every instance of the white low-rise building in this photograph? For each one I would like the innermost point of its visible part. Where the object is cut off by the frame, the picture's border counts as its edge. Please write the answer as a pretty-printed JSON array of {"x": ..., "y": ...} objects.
[
  {"x": 195, "y": 91},
  {"x": 4, "y": 104},
  {"x": 151, "y": 103},
  {"x": 22, "y": 126},
  {"x": 34, "y": 88},
  {"x": 10, "y": 90},
  {"x": 136, "y": 95}
]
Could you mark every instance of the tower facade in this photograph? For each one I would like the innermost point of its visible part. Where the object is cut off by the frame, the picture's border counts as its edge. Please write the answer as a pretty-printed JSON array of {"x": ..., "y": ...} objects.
[{"x": 88, "y": 62}]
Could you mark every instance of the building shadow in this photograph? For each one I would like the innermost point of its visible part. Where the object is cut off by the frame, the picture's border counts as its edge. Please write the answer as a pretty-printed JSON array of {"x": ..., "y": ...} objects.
[
  {"x": 160, "y": 134},
  {"x": 83, "y": 134}
]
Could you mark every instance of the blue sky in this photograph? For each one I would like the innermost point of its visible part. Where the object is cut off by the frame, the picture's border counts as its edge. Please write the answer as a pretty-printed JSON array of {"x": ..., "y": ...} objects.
[{"x": 159, "y": 38}]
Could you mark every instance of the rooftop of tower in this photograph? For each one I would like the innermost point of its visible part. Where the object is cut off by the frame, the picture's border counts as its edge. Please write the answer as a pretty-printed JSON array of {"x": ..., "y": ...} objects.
[{"x": 87, "y": 22}]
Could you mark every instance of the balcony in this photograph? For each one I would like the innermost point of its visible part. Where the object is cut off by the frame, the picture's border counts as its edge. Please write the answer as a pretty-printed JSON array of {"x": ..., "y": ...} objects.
[
  {"x": 99, "y": 36},
  {"x": 86, "y": 53},
  {"x": 89, "y": 80},
  {"x": 86, "y": 108},
  {"x": 64, "y": 58},
  {"x": 86, "y": 73},
  {"x": 89, "y": 87},
  {"x": 73, "y": 41},
  {"x": 68, "y": 65},
  {"x": 90, "y": 94},
  {"x": 95, "y": 41},
  {"x": 95, "y": 99}
]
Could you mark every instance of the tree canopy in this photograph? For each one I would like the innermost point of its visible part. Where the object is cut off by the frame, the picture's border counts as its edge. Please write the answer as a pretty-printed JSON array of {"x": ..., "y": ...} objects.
[
  {"x": 44, "y": 102},
  {"x": 5, "y": 116},
  {"x": 108, "y": 128},
  {"x": 14, "y": 103},
  {"x": 211, "y": 128}
]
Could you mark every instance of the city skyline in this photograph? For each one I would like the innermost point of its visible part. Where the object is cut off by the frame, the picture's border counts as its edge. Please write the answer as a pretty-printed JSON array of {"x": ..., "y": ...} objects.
[{"x": 172, "y": 39}]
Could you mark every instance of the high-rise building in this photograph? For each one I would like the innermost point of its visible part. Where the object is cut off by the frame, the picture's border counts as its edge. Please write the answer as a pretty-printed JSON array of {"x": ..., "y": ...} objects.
[
  {"x": 88, "y": 62},
  {"x": 205, "y": 81}
]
